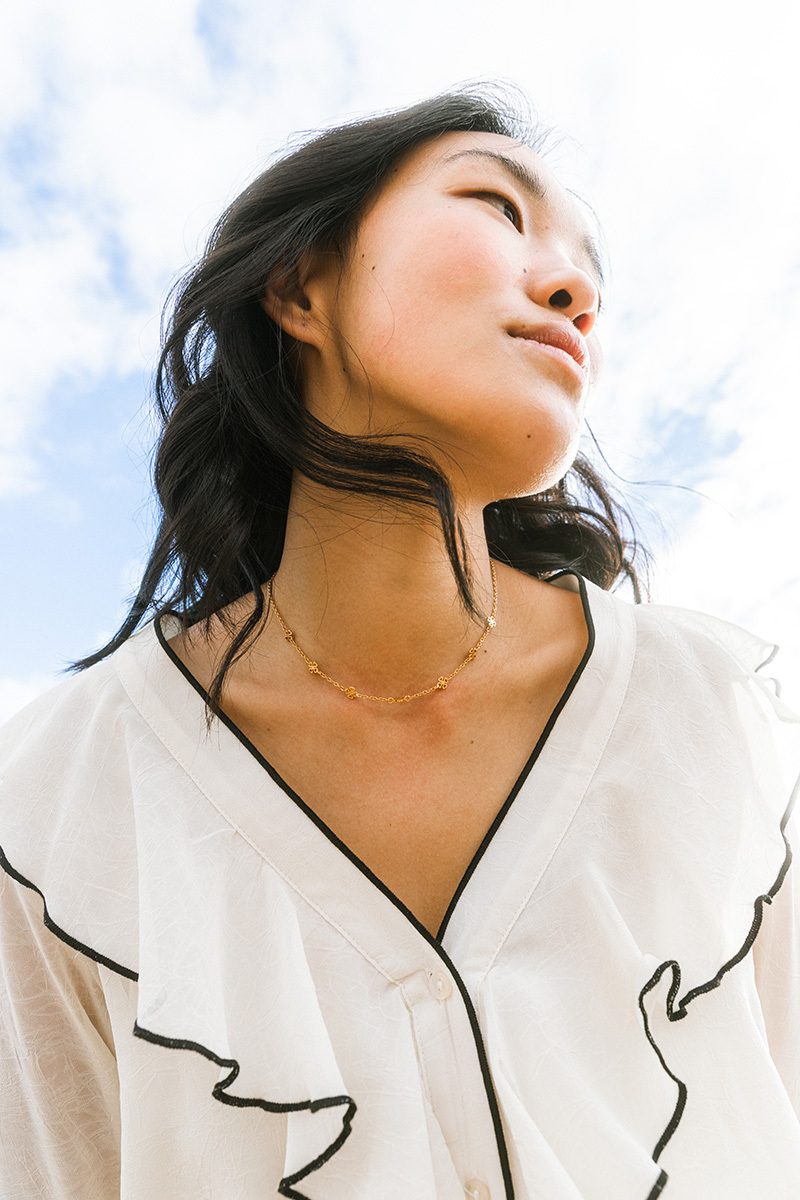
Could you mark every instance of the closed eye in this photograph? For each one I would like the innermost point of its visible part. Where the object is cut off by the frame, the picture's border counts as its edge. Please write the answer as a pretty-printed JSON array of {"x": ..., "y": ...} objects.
[{"x": 508, "y": 207}]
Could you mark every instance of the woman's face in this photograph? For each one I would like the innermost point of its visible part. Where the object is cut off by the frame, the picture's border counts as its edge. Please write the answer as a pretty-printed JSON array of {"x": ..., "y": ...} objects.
[{"x": 464, "y": 265}]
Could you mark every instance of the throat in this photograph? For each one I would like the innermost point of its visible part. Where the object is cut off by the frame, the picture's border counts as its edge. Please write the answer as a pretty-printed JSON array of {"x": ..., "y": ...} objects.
[{"x": 371, "y": 598}]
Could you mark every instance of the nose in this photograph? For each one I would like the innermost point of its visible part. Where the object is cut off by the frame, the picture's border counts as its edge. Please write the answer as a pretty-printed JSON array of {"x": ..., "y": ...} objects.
[{"x": 562, "y": 285}]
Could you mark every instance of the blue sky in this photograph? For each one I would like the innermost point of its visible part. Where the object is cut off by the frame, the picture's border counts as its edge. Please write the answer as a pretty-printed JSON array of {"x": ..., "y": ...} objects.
[{"x": 126, "y": 131}]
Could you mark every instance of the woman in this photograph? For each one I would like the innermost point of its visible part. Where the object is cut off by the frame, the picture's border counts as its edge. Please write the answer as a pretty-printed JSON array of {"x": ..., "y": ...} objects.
[{"x": 388, "y": 859}]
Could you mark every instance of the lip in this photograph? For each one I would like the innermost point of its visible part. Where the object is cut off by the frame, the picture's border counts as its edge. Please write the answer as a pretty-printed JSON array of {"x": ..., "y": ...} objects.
[{"x": 560, "y": 337}]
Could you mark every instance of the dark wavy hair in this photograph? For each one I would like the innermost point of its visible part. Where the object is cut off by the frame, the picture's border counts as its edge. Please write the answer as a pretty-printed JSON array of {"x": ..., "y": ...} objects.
[{"x": 234, "y": 426}]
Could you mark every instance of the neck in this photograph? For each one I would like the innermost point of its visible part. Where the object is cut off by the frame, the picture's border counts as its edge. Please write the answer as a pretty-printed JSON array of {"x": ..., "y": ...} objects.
[{"x": 370, "y": 594}]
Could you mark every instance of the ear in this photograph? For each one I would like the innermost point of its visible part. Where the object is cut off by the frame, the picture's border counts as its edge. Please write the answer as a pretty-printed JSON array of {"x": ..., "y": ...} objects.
[{"x": 287, "y": 301}]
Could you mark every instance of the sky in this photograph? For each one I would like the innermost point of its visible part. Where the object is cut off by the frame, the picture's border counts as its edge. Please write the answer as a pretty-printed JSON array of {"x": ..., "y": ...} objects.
[{"x": 126, "y": 129}]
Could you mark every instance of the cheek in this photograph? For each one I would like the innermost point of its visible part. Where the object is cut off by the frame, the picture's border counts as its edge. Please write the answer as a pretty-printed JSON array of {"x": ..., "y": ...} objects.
[
  {"x": 453, "y": 266},
  {"x": 427, "y": 281}
]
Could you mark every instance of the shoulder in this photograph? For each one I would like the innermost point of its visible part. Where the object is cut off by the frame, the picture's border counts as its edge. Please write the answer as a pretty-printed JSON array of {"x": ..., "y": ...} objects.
[
  {"x": 703, "y": 710},
  {"x": 68, "y": 727},
  {"x": 686, "y": 651},
  {"x": 701, "y": 693},
  {"x": 702, "y": 637},
  {"x": 72, "y": 764},
  {"x": 713, "y": 668}
]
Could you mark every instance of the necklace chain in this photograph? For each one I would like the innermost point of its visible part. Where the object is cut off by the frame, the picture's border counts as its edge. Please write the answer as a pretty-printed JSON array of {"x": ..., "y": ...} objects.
[{"x": 350, "y": 692}]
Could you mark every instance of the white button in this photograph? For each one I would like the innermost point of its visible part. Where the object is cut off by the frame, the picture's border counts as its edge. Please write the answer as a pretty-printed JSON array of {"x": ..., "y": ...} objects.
[
  {"x": 440, "y": 986},
  {"x": 477, "y": 1190}
]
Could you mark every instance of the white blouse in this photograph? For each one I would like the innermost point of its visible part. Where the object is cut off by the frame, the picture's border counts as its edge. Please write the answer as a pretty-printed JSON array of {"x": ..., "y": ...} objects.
[{"x": 207, "y": 996}]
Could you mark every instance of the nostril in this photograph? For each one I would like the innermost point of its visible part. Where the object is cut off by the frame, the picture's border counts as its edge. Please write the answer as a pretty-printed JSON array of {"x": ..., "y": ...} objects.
[
  {"x": 561, "y": 298},
  {"x": 583, "y": 323}
]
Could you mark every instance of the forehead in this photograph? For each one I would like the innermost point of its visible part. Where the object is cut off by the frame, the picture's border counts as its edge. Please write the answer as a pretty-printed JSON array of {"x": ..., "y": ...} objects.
[{"x": 436, "y": 151}]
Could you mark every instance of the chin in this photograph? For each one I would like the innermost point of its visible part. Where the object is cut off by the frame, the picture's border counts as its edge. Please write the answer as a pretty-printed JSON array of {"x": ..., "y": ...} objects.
[
  {"x": 513, "y": 485},
  {"x": 540, "y": 466}
]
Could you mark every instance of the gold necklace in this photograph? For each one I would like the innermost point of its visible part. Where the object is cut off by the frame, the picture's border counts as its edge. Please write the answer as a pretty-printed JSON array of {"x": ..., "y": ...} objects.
[{"x": 350, "y": 692}]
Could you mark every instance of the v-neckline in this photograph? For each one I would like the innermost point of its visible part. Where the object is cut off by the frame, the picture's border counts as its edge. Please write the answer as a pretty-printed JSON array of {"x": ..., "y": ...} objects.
[{"x": 497, "y": 821}]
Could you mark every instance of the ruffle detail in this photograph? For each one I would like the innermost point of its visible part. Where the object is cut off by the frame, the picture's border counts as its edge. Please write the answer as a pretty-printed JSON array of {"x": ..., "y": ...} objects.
[
  {"x": 173, "y": 923},
  {"x": 65, "y": 937},
  {"x": 192, "y": 947},
  {"x": 740, "y": 659},
  {"x": 676, "y": 1008},
  {"x": 300, "y": 1140},
  {"x": 220, "y": 1092}
]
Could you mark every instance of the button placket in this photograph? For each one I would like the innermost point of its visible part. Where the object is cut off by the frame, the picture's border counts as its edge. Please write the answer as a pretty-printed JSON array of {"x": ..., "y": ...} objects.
[{"x": 451, "y": 1067}]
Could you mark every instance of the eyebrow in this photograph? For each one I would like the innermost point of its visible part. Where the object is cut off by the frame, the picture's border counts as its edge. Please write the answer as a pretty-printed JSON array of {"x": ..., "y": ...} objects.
[{"x": 533, "y": 184}]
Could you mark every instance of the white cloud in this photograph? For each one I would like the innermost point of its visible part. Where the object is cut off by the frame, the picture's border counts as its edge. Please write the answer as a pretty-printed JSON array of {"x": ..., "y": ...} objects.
[{"x": 117, "y": 161}]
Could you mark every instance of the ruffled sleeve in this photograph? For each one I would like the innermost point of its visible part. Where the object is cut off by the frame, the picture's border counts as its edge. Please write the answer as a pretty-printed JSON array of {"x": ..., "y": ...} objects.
[
  {"x": 58, "y": 1071},
  {"x": 60, "y": 1086},
  {"x": 733, "y": 872}
]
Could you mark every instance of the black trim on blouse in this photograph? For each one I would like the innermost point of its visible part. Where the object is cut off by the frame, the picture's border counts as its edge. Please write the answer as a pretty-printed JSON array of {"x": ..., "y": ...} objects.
[
  {"x": 286, "y": 1185},
  {"x": 676, "y": 1011},
  {"x": 59, "y": 932},
  {"x": 658, "y": 1186},
  {"x": 526, "y": 770}
]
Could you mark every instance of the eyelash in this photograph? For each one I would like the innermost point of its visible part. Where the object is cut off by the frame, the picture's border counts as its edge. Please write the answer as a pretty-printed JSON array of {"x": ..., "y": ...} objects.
[{"x": 517, "y": 222}]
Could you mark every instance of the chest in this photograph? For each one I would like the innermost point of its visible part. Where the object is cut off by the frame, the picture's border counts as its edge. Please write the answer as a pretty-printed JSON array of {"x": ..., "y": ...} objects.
[
  {"x": 413, "y": 800},
  {"x": 414, "y": 791}
]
